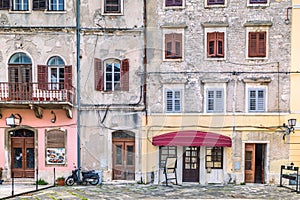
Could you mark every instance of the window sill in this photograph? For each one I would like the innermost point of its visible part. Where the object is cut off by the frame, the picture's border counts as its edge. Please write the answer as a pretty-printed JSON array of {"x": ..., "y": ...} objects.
[
  {"x": 113, "y": 14},
  {"x": 55, "y": 12},
  {"x": 257, "y": 58},
  {"x": 19, "y": 11},
  {"x": 215, "y": 6},
  {"x": 259, "y": 5},
  {"x": 174, "y": 7},
  {"x": 173, "y": 60},
  {"x": 215, "y": 59}
]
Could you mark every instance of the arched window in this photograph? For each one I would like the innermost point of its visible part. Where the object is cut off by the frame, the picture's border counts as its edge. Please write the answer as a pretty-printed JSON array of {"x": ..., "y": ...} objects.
[
  {"x": 56, "y": 71},
  {"x": 20, "y": 76},
  {"x": 55, "y": 75}
]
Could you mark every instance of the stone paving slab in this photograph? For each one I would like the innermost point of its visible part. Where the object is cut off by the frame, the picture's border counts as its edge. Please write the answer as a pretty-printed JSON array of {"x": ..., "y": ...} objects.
[{"x": 149, "y": 191}]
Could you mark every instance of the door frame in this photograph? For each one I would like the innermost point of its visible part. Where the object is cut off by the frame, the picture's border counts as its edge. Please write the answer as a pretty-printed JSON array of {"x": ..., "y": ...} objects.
[
  {"x": 8, "y": 149},
  {"x": 267, "y": 158}
]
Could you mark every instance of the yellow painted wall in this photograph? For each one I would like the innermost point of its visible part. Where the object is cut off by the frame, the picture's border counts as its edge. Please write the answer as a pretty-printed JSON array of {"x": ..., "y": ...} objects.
[{"x": 294, "y": 140}]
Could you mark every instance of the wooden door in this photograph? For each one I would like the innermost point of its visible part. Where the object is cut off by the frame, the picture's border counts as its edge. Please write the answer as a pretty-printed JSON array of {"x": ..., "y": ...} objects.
[
  {"x": 191, "y": 164},
  {"x": 22, "y": 154},
  {"x": 249, "y": 163},
  {"x": 123, "y": 160}
]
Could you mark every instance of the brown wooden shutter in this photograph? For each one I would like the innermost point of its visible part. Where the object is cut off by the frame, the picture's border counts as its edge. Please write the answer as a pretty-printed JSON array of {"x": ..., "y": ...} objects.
[
  {"x": 220, "y": 44},
  {"x": 168, "y": 45},
  {"x": 125, "y": 75},
  {"x": 42, "y": 77},
  {"x": 262, "y": 44},
  {"x": 39, "y": 4},
  {"x": 178, "y": 45},
  {"x": 252, "y": 44},
  {"x": 68, "y": 77},
  {"x": 211, "y": 43},
  {"x": 4, "y": 4},
  {"x": 98, "y": 75}
]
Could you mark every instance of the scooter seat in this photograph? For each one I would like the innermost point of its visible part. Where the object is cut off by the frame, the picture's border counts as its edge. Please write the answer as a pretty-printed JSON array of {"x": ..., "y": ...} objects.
[{"x": 88, "y": 172}]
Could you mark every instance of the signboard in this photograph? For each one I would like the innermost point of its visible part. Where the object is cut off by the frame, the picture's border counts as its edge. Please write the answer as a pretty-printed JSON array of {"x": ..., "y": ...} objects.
[{"x": 55, "y": 156}]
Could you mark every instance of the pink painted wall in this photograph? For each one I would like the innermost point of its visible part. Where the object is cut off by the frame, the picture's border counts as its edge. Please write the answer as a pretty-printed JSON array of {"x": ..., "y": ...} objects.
[{"x": 29, "y": 119}]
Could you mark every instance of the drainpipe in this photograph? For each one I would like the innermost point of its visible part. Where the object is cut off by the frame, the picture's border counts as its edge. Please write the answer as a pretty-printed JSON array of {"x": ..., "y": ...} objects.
[{"x": 78, "y": 84}]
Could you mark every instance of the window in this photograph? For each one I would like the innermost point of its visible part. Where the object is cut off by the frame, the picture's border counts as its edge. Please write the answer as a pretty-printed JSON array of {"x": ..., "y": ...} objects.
[
  {"x": 112, "y": 6},
  {"x": 4, "y": 4},
  {"x": 39, "y": 5},
  {"x": 56, "y": 5},
  {"x": 55, "y": 147},
  {"x": 215, "y": 2},
  {"x": 173, "y": 46},
  {"x": 258, "y": 1},
  {"x": 173, "y": 3},
  {"x": 214, "y": 157},
  {"x": 20, "y": 5},
  {"x": 173, "y": 100},
  {"x": 55, "y": 75},
  {"x": 215, "y": 44},
  {"x": 164, "y": 152},
  {"x": 257, "y": 44},
  {"x": 256, "y": 99},
  {"x": 113, "y": 76},
  {"x": 215, "y": 100}
]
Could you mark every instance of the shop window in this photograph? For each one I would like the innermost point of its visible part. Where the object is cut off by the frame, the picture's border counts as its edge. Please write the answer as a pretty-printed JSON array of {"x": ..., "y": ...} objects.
[
  {"x": 165, "y": 152},
  {"x": 56, "y": 147},
  {"x": 214, "y": 157}
]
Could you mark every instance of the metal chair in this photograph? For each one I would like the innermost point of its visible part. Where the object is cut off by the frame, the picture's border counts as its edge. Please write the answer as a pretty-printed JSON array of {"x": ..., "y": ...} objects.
[{"x": 170, "y": 168}]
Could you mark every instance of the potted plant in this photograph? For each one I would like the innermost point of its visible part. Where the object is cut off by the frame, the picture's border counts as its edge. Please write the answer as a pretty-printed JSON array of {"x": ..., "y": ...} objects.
[{"x": 60, "y": 181}]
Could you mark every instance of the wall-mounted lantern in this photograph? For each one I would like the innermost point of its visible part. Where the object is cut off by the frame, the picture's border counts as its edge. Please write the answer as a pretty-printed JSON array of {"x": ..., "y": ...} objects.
[
  {"x": 13, "y": 120},
  {"x": 290, "y": 127}
]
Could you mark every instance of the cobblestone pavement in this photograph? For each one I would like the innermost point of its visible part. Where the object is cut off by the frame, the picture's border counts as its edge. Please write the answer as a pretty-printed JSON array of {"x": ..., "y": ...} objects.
[{"x": 186, "y": 191}]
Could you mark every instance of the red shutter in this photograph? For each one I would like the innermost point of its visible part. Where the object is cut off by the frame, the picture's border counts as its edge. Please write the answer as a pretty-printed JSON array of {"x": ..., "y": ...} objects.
[
  {"x": 42, "y": 77},
  {"x": 98, "y": 74},
  {"x": 125, "y": 75},
  {"x": 220, "y": 44},
  {"x": 211, "y": 44},
  {"x": 68, "y": 77}
]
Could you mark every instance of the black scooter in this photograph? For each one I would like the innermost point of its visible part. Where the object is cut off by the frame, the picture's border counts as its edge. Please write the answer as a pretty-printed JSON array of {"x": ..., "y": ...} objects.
[{"x": 87, "y": 177}]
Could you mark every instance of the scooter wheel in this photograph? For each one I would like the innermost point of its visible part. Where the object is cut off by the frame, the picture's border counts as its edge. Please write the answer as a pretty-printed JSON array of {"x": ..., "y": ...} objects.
[
  {"x": 70, "y": 181},
  {"x": 95, "y": 181}
]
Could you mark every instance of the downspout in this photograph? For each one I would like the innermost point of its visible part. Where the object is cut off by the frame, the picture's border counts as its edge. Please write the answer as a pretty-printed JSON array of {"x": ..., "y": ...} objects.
[
  {"x": 145, "y": 86},
  {"x": 78, "y": 84}
]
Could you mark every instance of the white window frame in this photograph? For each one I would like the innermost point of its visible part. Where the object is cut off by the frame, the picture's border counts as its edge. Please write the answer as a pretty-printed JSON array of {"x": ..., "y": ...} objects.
[
  {"x": 173, "y": 100},
  {"x": 214, "y": 86},
  {"x": 215, "y": 6},
  {"x": 255, "y": 87},
  {"x": 170, "y": 30},
  {"x": 257, "y": 29},
  {"x": 258, "y": 4},
  {"x": 22, "y": 4},
  {"x": 120, "y": 13},
  {"x": 211, "y": 30},
  {"x": 112, "y": 60},
  {"x": 173, "y": 7},
  {"x": 57, "y": 3}
]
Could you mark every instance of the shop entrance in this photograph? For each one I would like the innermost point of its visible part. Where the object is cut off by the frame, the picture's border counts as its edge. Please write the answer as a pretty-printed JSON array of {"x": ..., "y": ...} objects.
[
  {"x": 191, "y": 164},
  {"x": 255, "y": 155},
  {"x": 22, "y": 153}
]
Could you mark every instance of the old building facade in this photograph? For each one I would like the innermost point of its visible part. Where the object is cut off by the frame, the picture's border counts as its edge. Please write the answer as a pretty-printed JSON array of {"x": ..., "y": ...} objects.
[
  {"x": 217, "y": 69},
  {"x": 38, "y": 75}
]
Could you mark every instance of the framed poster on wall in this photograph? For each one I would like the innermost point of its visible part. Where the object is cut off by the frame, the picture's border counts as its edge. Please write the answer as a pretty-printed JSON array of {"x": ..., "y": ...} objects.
[{"x": 55, "y": 156}]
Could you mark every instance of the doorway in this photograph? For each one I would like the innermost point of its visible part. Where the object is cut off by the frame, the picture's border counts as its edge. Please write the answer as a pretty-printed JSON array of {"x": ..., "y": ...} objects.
[
  {"x": 191, "y": 164},
  {"x": 255, "y": 155},
  {"x": 22, "y": 153},
  {"x": 123, "y": 156}
]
